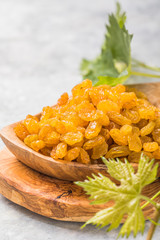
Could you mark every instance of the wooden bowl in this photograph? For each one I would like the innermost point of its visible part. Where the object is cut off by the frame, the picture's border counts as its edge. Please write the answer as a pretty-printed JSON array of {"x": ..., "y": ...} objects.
[{"x": 61, "y": 169}]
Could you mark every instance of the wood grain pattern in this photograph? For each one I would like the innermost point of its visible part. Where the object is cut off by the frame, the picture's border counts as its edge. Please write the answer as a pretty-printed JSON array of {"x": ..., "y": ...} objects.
[
  {"x": 53, "y": 198},
  {"x": 61, "y": 169}
]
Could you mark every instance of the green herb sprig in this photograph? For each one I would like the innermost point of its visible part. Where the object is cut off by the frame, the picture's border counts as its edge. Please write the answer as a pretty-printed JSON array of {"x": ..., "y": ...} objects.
[
  {"x": 127, "y": 197},
  {"x": 114, "y": 64}
]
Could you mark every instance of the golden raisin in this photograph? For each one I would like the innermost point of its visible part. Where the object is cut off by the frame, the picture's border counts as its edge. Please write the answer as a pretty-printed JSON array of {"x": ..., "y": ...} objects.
[
  {"x": 135, "y": 130},
  {"x": 118, "y": 118},
  {"x": 145, "y": 139},
  {"x": 103, "y": 118},
  {"x": 126, "y": 130},
  {"x": 156, "y": 153},
  {"x": 84, "y": 157},
  {"x": 107, "y": 106},
  {"x": 46, "y": 151},
  {"x": 44, "y": 131},
  {"x": 100, "y": 150},
  {"x": 31, "y": 124},
  {"x": 93, "y": 142},
  {"x": 156, "y": 135},
  {"x": 97, "y": 94},
  {"x": 148, "y": 128},
  {"x": 150, "y": 146},
  {"x": 47, "y": 113},
  {"x": 72, "y": 138},
  {"x": 134, "y": 143},
  {"x": 84, "y": 126},
  {"x": 63, "y": 99},
  {"x": 118, "y": 137},
  {"x": 30, "y": 138},
  {"x": 119, "y": 151},
  {"x": 21, "y": 131},
  {"x": 52, "y": 138},
  {"x": 93, "y": 129},
  {"x": 131, "y": 114},
  {"x": 72, "y": 154},
  {"x": 105, "y": 133},
  {"x": 147, "y": 113},
  {"x": 80, "y": 89},
  {"x": 128, "y": 100},
  {"x": 37, "y": 145},
  {"x": 61, "y": 150}
]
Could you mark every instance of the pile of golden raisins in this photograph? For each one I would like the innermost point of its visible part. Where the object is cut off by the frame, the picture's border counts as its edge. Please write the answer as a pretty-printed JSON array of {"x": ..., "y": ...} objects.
[{"x": 94, "y": 122}]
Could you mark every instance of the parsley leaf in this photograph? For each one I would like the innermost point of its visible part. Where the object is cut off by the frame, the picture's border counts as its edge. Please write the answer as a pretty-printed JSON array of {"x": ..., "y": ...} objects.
[{"x": 126, "y": 197}]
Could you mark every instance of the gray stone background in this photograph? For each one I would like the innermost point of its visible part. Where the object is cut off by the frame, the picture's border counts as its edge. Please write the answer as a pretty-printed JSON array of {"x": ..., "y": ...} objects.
[{"x": 41, "y": 45}]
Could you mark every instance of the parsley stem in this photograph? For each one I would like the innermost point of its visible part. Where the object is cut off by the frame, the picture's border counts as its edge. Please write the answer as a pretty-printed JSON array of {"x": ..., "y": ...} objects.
[
  {"x": 145, "y": 74},
  {"x": 153, "y": 225},
  {"x": 156, "y": 195},
  {"x": 143, "y": 65}
]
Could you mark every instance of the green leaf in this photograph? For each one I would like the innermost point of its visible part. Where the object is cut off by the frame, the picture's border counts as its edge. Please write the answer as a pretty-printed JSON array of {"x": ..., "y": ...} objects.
[
  {"x": 146, "y": 172},
  {"x": 112, "y": 66},
  {"x": 113, "y": 81},
  {"x": 126, "y": 196},
  {"x": 118, "y": 41},
  {"x": 120, "y": 16},
  {"x": 135, "y": 222},
  {"x": 103, "y": 65},
  {"x": 119, "y": 170}
]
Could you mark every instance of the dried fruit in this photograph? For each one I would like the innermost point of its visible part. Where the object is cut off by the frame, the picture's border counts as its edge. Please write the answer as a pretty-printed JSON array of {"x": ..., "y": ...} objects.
[
  {"x": 44, "y": 131},
  {"x": 80, "y": 88},
  {"x": 150, "y": 146},
  {"x": 134, "y": 143},
  {"x": 63, "y": 99},
  {"x": 118, "y": 137},
  {"x": 52, "y": 138},
  {"x": 156, "y": 135},
  {"x": 30, "y": 138},
  {"x": 131, "y": 114},
  {"x": 135, "y": 130},
  {"x": 47, "y": 113},
  {"x": 145, "y": 139},
  {"x": 148, "y": 128},
  {"x": 84, "y": 157},
  {"x": 72, "y": 154},
  {"x": 142, "y": 123},
  {"x": 147, "y": 113},
  {"x": 118, "y": 118},
  {"x": 134, "y": 157},
  {"x": 108, "y": 106},
  {"x": 156, "y": 154},
  {"x": 120, "y": 151},
  {"x": 84, "y": 126},
  {"x": 126, "y": 130},
  {"x": 21, "y": 131},
  {"x": 128, "y": 100},
  {"x": 93, "y": 142},
  {"x": 93, "y": 129},
  {"x": 105, "y": 133},
  {"x": 37, "y": 145},
  {"x": 31, "y": 123},
  {"x": 98, "y": 94},
  {"x": 100, "y": 150},
  {"x": 59, "y": 151},
  {"x": 72, "y": 138},
  {"x": 46, "y": 151}
]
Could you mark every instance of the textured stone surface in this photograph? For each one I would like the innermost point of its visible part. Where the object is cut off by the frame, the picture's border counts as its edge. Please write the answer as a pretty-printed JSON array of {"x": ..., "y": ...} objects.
[{"x": 41, "y": 45}]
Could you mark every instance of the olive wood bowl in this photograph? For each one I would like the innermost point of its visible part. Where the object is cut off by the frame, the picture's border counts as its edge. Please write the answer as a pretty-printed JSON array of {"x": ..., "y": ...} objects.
[{"x": 62, "y": 169}]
